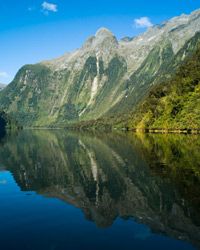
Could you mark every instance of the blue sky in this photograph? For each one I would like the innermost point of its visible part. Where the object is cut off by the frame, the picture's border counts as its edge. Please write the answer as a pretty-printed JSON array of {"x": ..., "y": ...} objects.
[{"x": 34, "y": 30}]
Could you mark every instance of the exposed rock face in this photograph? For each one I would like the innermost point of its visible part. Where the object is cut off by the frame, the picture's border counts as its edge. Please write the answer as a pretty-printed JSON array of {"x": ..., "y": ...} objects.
[{"x": 104, "y": 77}]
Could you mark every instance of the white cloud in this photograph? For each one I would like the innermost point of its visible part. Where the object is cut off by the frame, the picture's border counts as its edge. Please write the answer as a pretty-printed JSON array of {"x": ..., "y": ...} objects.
[
  {"x": 46, "y": 7},
  {"x": 4, "y": 74},
  {"x": 143, "y": 22}
]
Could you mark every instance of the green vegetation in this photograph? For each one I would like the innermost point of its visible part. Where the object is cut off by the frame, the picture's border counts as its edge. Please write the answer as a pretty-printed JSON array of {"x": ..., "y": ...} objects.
[
  {"x": 22, "y": 98},
  {"x": 171, "y": 105},
  {"x": 162, "y": 94},
  {"x": 98, "y": 124},
  {"x": 42, "y": 97},
  {"x": 174, "y": 104},
  {"x": 7, "y": 123},
  {"x": 154, "y": 68}
]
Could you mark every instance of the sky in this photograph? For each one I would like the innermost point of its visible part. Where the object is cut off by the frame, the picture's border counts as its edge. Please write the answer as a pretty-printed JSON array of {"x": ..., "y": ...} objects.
[{"x": 35, "y": 30}]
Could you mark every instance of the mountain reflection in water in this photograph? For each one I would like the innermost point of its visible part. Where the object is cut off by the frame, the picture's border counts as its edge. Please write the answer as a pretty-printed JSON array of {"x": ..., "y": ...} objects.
[{"x": 154, "y": 179}]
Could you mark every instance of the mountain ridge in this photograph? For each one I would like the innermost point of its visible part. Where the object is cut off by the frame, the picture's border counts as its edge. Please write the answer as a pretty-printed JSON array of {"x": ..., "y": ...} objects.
[
  {"x": 175, "y": 104},
  {"x": 104, "y": 77}
]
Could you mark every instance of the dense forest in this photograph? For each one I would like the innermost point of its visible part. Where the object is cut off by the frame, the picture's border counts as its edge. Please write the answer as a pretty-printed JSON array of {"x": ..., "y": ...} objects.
[{"x": 174, "y": 104}]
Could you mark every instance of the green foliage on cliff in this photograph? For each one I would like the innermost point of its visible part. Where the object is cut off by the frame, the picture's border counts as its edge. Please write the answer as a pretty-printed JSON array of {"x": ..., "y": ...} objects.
[
  {"x": 174, "y": 104},
  {"x": 104, "y": 94},
  {"x": 40, "y": 96}
]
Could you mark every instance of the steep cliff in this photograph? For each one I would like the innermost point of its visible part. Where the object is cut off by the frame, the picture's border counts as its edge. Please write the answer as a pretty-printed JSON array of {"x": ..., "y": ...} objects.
[{"x": 105, "y": 77}]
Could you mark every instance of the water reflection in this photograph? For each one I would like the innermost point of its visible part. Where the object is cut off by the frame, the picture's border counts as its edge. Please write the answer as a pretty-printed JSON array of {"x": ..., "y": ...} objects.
[{"x": 152, "y": 178}]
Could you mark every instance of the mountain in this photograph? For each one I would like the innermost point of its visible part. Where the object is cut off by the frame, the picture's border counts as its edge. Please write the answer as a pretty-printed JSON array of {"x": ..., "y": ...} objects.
[
  {"x": 174, "y": 104},
  {"x": 104, "y": 78}
]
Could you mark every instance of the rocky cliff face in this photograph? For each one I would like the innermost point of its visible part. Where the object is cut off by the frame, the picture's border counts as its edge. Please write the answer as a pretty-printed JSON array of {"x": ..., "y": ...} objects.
[{"x": 104, "y": 77}]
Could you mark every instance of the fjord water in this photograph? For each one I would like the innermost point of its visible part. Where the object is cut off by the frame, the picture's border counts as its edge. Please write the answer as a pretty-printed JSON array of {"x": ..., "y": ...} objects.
[{"x": 63, "y": 190}]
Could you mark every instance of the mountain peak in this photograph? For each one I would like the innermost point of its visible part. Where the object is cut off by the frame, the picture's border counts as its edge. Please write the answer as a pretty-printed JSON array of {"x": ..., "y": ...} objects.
[
  {"x": 103, "y": 77},
  {"x": 104, "y": 32},
  {"x": 103, "y": 39}
]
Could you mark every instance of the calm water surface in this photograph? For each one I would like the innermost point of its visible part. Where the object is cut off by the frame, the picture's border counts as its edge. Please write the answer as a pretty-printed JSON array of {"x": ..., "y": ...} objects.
[{"x": 62, "y": 190}]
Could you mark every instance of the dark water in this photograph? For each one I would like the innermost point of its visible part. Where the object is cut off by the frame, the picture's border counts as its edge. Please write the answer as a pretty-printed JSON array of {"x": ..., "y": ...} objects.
[{"x": 61, "y": 190}]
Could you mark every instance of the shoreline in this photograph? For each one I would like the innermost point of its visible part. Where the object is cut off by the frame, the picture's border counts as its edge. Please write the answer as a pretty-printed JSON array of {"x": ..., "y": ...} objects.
[
  {"x": 135, "y": 130},
  {"x": 166, "y": 131}
]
